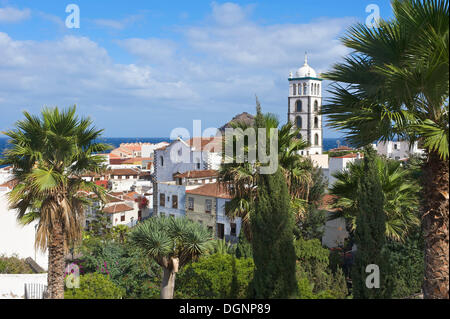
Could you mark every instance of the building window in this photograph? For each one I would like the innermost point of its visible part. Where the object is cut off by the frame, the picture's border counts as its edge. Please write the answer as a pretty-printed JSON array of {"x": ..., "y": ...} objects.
[
  {"x": 298, "y": 122},
  {"x": 161, "y": 159},
  {"x": 175, "y": 201},
  {"x": 233, "y": 229},
  {"x": 395, "y": 146},
  {"x": 316, "y": 106},
  {"x": 316, "y": 122},
  {"x": 298, "y": 106},
  {"x": 304, "y": 89},
  {"x": 198, "y": 165},
  {"x": 122, "y": 217},
  {"x": 316, "y": 139},
  {"x": 162, "y": 200},
  {"x": 318, "y": 89},
  {"x": 190, "y": 203},
  {"x": 208, "y": 206},
  {"x": 294, "y": 89}
]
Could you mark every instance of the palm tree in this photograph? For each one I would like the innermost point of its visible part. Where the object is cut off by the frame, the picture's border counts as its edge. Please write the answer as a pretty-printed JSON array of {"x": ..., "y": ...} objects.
[
  {"x": 396, "y": 84},
  {"x": 400, "y": 196},
  {"x": 241, "y": 178},
  {"x": 172, "y": 243},
  {"x": 48, "y": 153}
]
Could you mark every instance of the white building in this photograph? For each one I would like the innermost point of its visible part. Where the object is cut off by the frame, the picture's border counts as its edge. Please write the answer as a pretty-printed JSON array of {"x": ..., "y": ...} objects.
[
  {"x": 339, "y": 164},
  {"x": 397, "y": 150},
  {"x": 180, "y": 157},
  {"x": 5, "y": 174},
  {"x": 171, "y": 199},
  {"x": 304, "y": 104},
  {"x": 16, "y": 239},
  {"x": 123, "y": 179}
]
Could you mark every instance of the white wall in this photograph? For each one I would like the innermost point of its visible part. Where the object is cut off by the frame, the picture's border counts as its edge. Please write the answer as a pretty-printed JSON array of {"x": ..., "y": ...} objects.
[
  {"x": 337, "y": 164},
  {"x": 13, "y": 286},
  {"x": 335, "y": 233},
  {"x": 223, "y": 219},
  {"x": 18, "y": 239},
  {"x": 169, "y": 190},
  {"x": 397, "y": 150}
]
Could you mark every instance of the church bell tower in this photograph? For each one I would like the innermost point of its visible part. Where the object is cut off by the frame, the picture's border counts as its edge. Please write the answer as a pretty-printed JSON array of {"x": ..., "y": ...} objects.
[{"x": 304, "y": 104}]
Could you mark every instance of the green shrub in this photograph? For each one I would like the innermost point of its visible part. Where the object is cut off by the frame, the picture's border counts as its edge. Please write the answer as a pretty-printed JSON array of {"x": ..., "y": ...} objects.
[
  {"x": 215, "y": 276},
  {"x": 94, "y": 286},
  {"x": 14, "y": 265},
  {"x": 313, "y": 272}
]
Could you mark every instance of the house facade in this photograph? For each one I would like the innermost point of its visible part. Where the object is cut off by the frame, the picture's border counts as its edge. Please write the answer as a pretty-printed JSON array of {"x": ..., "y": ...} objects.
[{"x": 206, "y": 205}]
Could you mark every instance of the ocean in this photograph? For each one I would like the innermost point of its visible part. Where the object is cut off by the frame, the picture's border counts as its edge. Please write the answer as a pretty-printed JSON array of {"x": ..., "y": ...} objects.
[{"x": 328, "y": 143}]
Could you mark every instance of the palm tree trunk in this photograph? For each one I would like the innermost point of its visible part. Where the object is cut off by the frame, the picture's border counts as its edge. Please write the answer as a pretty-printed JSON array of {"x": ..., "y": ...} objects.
[
  {"x": 56, "y": 263},
  {"x": 168, "y": 283},
  {"x": 435, "y": 228}
]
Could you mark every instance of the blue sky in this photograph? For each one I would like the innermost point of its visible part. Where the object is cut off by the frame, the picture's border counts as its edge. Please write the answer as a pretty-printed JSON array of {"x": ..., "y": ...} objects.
[{"x": 143, "y": 68}]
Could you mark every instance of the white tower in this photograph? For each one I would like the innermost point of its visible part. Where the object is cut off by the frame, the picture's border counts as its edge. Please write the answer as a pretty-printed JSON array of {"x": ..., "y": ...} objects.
[{"x": 305, "y": 101}]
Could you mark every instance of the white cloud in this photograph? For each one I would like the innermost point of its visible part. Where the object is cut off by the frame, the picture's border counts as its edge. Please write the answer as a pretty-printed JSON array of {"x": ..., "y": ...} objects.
[
  {"x": 12, "y": 15},
  {"x": 151, "y": 50},
  {"x": 215, "y": 69},
  {"x": 118, "y": 24}
]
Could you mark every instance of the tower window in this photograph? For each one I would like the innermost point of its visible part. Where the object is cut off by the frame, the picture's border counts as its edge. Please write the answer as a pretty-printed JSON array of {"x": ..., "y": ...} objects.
[
  {"x": 316, "y": 139},
  {"x": 162, "y": 160},
  {"x": 304, "y": 89},
  {"x": 294, "y": 91},
  {"x": 316, "y": 106},
  {"x": 318, "y": 89},
  {"x": 316, "y": 122},
  {"x": 298, "y": 106},
  {"x": 298, "y": 122}
]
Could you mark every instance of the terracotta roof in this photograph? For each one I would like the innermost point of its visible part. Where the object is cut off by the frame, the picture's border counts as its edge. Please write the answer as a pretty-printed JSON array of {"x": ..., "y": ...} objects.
[
  {"x": 341, "y": 148},
  {"x": 112, "y": 199},
  {"x": 92, "y": 174},
  {"x": 206, "y": 144},
  {"x": 10, "y": 184},
  {"x": 124, "y": 171},
  {"x": 327, "y": 201},
  {"x": 210, "y": 190},
  {"x": 197, "y": 174},
  {"x": 117, "y": 208},
  {"x": 116, "y": 160},
  {"x": 130, "y": 195},
  {"x": 136, "y": 160},
  {"x": 351, "y": 155}
]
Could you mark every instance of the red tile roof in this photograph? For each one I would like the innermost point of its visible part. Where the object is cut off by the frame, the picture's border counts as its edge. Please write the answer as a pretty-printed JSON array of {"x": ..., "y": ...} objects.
[
  {"x": 206, "y": 144},
  {"x": 136, "y": 159},
  {"x": 10, "y": 184},
  {"x": 341, "y": 148},
  {"x": 117, "y": 208},
  {"x": 351, "y": 155},
  {"x": 211, "y": 190},
  {"x": 197, "y": 174},
  {"x": 124, "y": 171}
]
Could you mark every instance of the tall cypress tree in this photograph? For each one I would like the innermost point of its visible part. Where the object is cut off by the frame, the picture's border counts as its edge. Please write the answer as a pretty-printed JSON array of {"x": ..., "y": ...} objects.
[
  {"x": 370, "y": 233},
  {"x": 272, "y": 244}
]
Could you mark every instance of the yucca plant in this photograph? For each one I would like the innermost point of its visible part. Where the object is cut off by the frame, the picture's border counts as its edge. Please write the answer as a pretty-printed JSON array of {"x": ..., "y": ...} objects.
[
  {"x": 48, "y": 154},
  {"x": 172, "y": 243}
]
